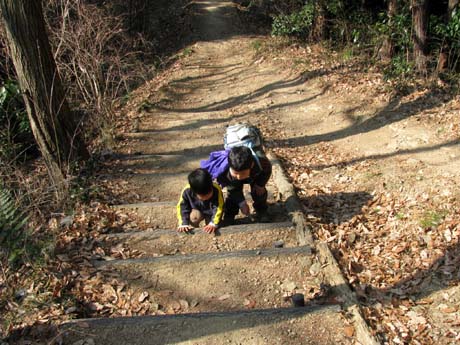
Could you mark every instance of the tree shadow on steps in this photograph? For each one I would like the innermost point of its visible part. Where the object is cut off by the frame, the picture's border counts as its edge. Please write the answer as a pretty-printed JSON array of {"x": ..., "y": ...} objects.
[{"x": 227, "y": 71}]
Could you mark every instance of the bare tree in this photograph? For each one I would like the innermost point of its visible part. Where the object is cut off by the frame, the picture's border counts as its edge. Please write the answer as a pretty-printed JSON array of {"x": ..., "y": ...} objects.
[
  {"x": 54, "y": 126},
  {"x": 419, "y": 23}
]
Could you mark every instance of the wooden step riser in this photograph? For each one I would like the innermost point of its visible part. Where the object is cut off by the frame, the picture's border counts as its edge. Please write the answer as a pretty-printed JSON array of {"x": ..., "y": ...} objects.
[
  {"x": 226, "y": 230},
  {"x": 268, "y": 327}
]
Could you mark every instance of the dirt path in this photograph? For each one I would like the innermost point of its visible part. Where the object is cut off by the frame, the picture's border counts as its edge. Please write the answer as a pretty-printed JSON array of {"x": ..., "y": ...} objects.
[{"x": 378, "y": 176}]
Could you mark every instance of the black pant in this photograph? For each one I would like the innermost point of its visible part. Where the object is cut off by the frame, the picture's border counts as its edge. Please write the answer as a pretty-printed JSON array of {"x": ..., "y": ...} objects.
[{"x": 235, "y": 196}]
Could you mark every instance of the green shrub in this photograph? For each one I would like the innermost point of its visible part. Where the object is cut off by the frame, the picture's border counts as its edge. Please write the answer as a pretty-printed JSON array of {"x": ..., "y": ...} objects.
[
  {"x": 12, "y": 227},
  {"x": 294, "y": 24},
  {"x": 352, "y": 27},
  {"x": 398, "y": 29},
  {"x": 432, "y": 219},
  {"x": 15, "y": 132},
  {"x": 447, "y": 35},
  {"x": 400, "y": 67}
]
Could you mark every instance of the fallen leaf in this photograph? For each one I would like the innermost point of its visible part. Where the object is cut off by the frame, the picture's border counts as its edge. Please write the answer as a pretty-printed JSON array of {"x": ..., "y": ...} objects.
[
  {"x": 249, "y": 303},
  {"x": 449, "y": 309},
  {"x": 165, "y": 293},
  {"x": 288, "y": 286},
  {"x": 63, "y": 257},
  {"x": 143, "y": 296},
  {"x": 349, "y": 331},
  {"x": 415, "y": 318},
  {"x": 183, "y": 303},
  {"x": 95, "y": 306},
  {"x": 224, "y": 297},
  {"x": 175, "y": 305}
]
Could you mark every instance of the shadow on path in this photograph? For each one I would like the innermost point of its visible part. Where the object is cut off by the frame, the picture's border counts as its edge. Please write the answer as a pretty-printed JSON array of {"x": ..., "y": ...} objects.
[
  {"x": 395, "y": 111},
  {"x": 376, "y": 157}
]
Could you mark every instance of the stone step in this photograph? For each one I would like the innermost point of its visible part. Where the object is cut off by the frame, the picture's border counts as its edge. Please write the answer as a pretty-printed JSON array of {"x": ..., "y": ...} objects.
[
  {"x": 236, "y": 237},
  {"x": 220, "y": 281},
  {"x": 166, "y": 184},
  {"x": 162, "y": 186},
  {"x": 173, "y": 147},
  {"x": 318, "y": 325},
  {"x": 126, "y": 165},
  {"x": 154, "y": 214}
]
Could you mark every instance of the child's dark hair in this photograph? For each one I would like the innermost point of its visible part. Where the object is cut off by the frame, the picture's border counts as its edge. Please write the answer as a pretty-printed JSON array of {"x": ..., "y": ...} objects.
[
  {"x": 240, "y": 158},
  {"x": 200, "y": 181}
]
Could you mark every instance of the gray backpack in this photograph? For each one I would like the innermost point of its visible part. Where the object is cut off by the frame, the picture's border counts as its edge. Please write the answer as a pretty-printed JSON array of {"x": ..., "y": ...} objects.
[{"x": 243, "y": 134}]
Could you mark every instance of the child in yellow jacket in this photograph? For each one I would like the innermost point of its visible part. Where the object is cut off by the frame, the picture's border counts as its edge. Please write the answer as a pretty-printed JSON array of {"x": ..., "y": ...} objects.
[{"x": 200, "y": 199}]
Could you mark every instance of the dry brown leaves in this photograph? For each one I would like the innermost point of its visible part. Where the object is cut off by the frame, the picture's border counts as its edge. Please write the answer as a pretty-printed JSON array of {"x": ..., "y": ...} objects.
[
  {"x": 69, "y": 285},
  {"x": 388, "y": 256},
  {"x": 395, "y": 245}
]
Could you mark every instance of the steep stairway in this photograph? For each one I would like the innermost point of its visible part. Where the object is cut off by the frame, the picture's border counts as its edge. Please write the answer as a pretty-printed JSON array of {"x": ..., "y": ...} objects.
[
  {"x": 248, "y": 284},
  {"x": 234, "y": 287},
  {"x": 238, "y": 286}
]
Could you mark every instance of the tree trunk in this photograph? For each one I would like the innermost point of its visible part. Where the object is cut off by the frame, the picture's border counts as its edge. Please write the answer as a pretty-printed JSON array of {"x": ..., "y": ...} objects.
[
  {"x": 386, "y": 50},
  {"x": 53, "y": 124},
  {"x": 419, "y": 23},
  {"x": 317, "y": 32}
]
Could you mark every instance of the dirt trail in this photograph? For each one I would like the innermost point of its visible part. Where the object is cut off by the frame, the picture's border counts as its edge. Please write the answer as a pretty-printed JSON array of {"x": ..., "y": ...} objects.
[{"x": 348, "y": 153}]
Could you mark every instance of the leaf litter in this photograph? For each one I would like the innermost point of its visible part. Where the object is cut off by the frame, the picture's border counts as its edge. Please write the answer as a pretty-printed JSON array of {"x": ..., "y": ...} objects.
[
  {"x": 392, "y": 223},
  {"x": 68, "y": 285}
]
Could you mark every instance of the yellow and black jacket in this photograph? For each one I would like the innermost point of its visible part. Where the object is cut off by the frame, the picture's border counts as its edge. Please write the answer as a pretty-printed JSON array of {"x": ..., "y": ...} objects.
[{"x": 211, "y": 209}]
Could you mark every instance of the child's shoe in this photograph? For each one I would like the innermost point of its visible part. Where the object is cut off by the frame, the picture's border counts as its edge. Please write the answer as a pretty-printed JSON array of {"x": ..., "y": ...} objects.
[{"x": 228, "y": 220}]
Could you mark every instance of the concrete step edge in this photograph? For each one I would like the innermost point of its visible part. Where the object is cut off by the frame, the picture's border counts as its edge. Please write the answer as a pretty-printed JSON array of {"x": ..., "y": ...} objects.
[
  {"x": 145, "y": 205},
  {"x": 150, "y": 319},
  {"x": 266, "y": 252},
  {"x": 128, "y": 157},
  {"x": 151, "y": 234}
]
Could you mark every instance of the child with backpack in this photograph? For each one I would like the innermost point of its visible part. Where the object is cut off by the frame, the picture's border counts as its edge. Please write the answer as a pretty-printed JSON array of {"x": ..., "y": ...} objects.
[
  {"x": 200, "y": 199},
  {"x": 243, "y": 162}
]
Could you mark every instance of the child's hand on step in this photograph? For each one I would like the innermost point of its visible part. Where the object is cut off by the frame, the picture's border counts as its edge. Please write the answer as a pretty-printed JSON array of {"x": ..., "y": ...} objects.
[
  {"x": 185, "y": 228},
  {"x": 210, "y": 228}
]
